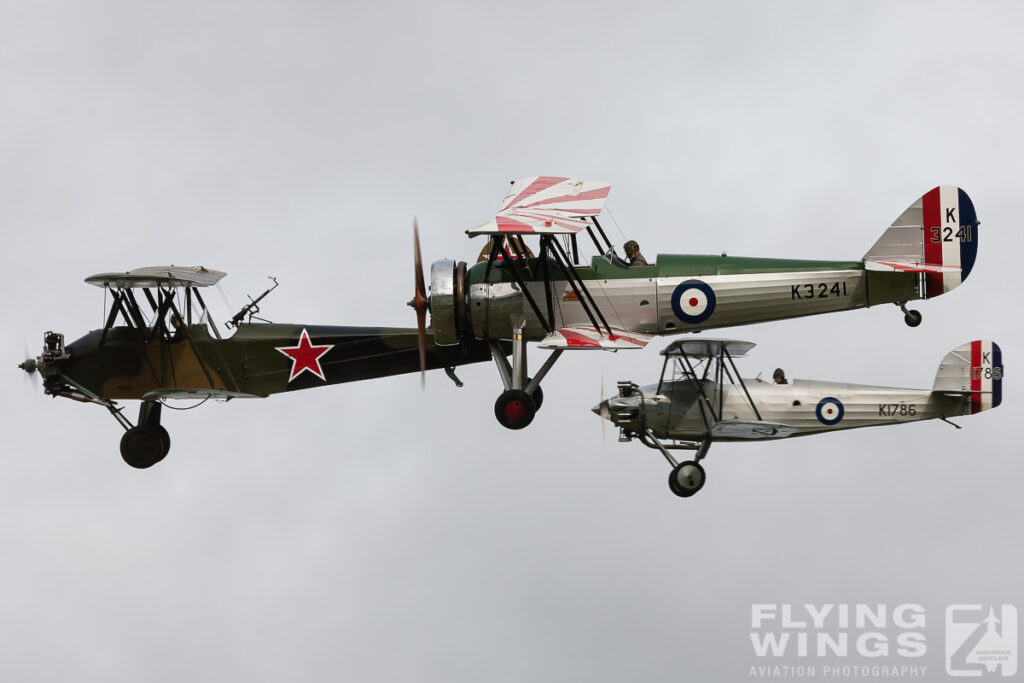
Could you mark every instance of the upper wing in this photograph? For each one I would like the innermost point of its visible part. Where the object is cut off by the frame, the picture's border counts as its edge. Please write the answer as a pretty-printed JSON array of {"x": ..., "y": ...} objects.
[
  {"x": 750, "y": 429},
  {"x": 546, "y": 205},
  {"x": 708, "y": 348},
  {"x": 158, "y": 276}
]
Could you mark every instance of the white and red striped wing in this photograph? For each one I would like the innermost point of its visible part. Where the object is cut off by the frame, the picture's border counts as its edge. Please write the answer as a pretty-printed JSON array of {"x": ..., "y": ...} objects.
[
  {"x": 547, "y": 205},
  {"x": 583, "y": 337}
]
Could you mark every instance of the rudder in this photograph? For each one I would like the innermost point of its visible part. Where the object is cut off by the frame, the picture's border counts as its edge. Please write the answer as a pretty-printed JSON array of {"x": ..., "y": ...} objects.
[
  {"x": 936, "y": 236},
  {"x": 974, "y": 369}
]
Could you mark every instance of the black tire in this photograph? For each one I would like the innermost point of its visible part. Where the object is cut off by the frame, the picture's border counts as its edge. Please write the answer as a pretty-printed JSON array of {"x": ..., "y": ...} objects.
[
  {"x": 165, "y": 441},
  {"x": 912, "y": 318},
  {"x": 142, "y": 447},
  {"x": 687, "y": 478},
  {"x": 515, "y": 409},
  {"x": 538, "y": 395}
]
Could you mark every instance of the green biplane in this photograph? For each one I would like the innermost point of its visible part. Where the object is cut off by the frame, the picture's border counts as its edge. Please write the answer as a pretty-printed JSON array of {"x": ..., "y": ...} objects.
[
  {"x": 160, "y": 343},
  {"x": 564, "y": 304}
]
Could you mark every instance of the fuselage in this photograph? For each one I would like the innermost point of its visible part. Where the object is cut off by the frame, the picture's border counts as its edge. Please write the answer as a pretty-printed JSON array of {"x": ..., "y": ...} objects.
[
  {"x": 808, "y": 406},
  {"x": 679, "y": 293},
  {"x": 259, "y": 359}
]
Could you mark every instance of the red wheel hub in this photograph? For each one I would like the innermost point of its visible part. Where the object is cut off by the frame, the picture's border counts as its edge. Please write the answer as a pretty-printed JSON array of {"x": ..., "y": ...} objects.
[{"x": 515, "y": 410}]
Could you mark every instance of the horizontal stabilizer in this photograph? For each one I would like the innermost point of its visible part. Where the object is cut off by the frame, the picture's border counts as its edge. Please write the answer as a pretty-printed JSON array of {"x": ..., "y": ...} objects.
[
  {"x": 908, "y": 267},
  {"x": 750, "y": 429},
  {"x": 547, "y": 205},
  {"x": 974, "y": 369},
  {"x": 580, "y": 337}
]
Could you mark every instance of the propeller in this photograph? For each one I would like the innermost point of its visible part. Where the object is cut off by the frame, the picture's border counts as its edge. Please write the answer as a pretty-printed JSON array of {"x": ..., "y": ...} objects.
[
  {"x": 419, "y": 302},
  {"x": 31, "y": 365},
  {"x": 602, "y": 411}
]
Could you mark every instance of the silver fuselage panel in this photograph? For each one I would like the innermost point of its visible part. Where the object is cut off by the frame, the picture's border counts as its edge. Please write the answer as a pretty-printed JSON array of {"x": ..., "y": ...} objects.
[{"x": 679, "y": 412}]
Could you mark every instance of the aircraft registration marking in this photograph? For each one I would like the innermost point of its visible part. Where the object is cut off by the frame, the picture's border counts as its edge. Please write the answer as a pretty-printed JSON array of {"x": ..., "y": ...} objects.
[
  {"x": 817, "y": 290},
  {"x": 893, "y": 409}
]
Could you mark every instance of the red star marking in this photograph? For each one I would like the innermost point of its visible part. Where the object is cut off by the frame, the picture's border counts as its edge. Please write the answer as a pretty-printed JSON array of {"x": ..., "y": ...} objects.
[{"x": 305, "y": 356}]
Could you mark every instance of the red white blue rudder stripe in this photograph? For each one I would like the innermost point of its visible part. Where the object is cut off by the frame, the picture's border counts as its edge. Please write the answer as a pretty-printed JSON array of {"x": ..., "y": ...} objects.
[
  {"x": 974, "y": 369},
  {"x": 936, "y": 236}
]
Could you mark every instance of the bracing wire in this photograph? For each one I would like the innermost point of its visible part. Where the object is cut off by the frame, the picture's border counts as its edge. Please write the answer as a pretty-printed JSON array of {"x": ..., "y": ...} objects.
[
  {"x": 612, "y": 216},
  {"x": 225, "y": 298},
  {"x": 164, "y": 401}
]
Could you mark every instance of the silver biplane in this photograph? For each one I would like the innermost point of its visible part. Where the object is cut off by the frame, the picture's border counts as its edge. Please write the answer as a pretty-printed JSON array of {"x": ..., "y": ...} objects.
[
  {"x": 564, "y": 302},
  {"x": 701, "y": 398}
]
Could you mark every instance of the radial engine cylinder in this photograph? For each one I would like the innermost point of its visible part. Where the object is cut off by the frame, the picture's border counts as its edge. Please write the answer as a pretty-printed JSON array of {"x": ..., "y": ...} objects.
[{"x": 448, "y": 301}]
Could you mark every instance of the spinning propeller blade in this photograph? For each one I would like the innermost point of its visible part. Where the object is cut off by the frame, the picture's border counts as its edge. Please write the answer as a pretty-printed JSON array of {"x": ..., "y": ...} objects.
[
  {"x": 419, "y": 303},
  {"x": 603, "y": 414},
  {"x": 29, "y": 366}
]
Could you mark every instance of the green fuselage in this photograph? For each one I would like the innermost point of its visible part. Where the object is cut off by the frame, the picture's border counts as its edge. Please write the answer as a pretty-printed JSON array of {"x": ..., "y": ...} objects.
[
  {"x": 124, "y": 365},
  {"x": 679, "y": 293}
]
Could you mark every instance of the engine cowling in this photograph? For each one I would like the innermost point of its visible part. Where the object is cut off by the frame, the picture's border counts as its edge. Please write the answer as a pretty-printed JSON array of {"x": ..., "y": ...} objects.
[{"x": 448, "y": 301}]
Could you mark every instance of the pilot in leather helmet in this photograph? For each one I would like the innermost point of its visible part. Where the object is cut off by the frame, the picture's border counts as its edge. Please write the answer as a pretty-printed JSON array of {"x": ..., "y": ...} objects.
[
  {"x": 633, "y": 254},
  {"x": 779, "y": 376}
]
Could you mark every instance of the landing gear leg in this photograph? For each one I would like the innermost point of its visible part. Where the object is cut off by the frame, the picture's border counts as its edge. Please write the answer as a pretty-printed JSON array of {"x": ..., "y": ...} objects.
[
  {"x": 523, "y": 396},
  {"x": 911, "y": 317},
  {"x": 147, "y": 443},
  {"x": 688, "y": 477}
]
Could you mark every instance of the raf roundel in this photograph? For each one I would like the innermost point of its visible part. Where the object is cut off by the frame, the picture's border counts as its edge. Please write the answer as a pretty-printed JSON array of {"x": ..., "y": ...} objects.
[
  {"x": 693, "y": 301},
  {"x": 829, "y": 411}
]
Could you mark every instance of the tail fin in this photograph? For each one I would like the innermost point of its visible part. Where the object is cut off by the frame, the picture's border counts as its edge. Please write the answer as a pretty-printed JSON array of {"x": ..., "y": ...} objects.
[
  {"x": 937, "y": 235},
  {"x": 974, "y": 369}
]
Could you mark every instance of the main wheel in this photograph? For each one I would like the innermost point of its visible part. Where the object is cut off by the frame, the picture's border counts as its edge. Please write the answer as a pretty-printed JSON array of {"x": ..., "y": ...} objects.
[
  {"x": 912, "y": 318},
  {"x": 142, "y": 447},
  {"x": 515, "y": 409},
  {"x": 538, "y": 394},
  {"x": 686, "y": 478},
  {"x": 165, "y": 441}
]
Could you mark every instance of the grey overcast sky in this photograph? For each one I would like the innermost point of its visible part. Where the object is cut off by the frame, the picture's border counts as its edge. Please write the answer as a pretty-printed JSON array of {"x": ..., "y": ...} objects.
[{"x": 372, "y": 531}]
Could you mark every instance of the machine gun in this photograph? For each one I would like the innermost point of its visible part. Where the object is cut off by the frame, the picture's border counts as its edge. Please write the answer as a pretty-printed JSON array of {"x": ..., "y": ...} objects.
[{"x": 251, "y": 308}]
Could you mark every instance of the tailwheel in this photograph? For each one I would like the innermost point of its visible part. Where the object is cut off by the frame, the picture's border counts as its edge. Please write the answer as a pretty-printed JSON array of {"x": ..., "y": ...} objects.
[
  {"x": 144, "y": 446},
  {"x": 515, "y": 409},
  {"x": 910, "y": 317},
  {"x": 686, "y": 478}
]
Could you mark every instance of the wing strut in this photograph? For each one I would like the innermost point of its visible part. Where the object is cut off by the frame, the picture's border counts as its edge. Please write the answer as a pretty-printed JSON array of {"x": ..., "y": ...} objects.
[
  {"x": 514, "y": 269},
  {"x": 601, "y": 230},
  {"x": 705, "y": 402},
  {"x": 742, "y": 384},
  {"x": 577, "y": 284}
]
